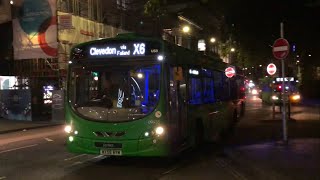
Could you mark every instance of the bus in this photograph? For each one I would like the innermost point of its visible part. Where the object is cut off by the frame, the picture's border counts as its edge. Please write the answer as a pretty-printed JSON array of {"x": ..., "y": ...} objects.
[{"x": 141, "y": 96}]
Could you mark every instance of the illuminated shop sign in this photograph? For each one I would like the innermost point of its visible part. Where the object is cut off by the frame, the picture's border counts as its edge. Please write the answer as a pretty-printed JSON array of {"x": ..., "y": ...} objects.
[{"x": 112, "y": 50}]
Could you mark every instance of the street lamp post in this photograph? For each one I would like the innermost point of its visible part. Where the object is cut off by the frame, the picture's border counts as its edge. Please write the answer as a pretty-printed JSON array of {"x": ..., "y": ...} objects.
[
  {"x": 213, "y": 42},
  {"x": 232, "y": 50},
  {"x": 186, "y": 30}
]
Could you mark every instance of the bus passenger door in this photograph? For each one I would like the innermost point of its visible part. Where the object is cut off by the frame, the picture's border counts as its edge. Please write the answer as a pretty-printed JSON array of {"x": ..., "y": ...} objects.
[{"x": 178, "y": 104}]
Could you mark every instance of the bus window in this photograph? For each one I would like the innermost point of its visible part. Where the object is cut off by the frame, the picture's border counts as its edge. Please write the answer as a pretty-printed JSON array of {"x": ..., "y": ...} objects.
[
  {"x": 218, "y": 85},
  {"x": 195, "y": 89},
  {"x": 131, "y": 91},
  {"x": 208, "y": 87}
]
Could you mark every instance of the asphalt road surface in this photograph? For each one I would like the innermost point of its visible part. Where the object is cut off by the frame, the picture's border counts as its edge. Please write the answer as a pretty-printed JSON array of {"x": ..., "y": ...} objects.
[{"x": 41, "y": 154}]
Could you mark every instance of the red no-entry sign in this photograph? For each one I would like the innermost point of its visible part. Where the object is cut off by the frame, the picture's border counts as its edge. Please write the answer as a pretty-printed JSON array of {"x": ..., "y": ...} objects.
[
  {"x": 271, "y": 69},
  {"x": 230, "y": 72},
  {"x": 280, "y": 48}
]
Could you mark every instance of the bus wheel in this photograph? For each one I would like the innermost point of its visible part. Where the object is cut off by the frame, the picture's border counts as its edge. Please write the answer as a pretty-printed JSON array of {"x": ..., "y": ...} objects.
[{"x": 199, "y": 136}]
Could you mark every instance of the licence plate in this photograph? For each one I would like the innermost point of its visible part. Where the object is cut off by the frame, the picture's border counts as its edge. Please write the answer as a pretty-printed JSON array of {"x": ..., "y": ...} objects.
[{"x": 111, "y": 152}]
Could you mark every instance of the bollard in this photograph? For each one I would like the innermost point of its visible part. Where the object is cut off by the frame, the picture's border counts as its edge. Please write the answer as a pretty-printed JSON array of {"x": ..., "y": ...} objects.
[{"x": 273, "y": 111}]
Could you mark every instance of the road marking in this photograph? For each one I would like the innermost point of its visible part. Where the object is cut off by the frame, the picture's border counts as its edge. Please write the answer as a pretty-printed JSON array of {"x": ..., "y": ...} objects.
[
  {"x": 74, "y": 157},
  {"x": 94, "y": 159},
  {"x": 100, "y": 157},
  {"x": 77, "y": 163},
  {"x": 48, "y": 139},
  {"x": 14, "y": 149},
  {"x": 3, "y": 177},
  {"x": 170, "y": 170},
  {"x": 235, "y": 173}
]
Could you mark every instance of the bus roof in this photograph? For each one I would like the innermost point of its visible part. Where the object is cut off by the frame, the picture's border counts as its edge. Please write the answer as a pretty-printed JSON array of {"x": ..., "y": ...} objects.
[{"x": 177, "y": 54}]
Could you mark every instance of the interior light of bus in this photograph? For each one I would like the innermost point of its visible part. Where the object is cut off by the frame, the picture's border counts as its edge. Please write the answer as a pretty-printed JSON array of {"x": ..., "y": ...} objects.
[
  {"x": 140, "y": 75},
  {"x": 193, "y": 71},
  {"x": 159, "y": 130},
  {"x": 160, "y": 58},
  {"x": 68, "y": 129}
]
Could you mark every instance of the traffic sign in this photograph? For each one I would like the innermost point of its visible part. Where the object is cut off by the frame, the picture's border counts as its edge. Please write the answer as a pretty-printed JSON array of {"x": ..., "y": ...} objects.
[
  {"x": 280, "y": 48},
  {"x": 271, "y": 69},
  {"x": 230, "y": 72}
]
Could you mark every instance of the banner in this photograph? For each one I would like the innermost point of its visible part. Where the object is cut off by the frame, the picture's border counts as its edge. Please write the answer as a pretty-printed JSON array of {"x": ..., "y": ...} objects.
[
  {"x": 5, "y": 11},
  {"x": 35, "y": 29}
]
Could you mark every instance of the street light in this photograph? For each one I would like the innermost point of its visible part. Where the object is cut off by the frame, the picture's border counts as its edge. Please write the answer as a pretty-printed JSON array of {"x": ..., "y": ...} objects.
[
  {"x": 11, "y": 2},
  {"x": 186, "y": 29},
  {"x": 212, "y": 40},
  {"x": 233, "y": 50}
]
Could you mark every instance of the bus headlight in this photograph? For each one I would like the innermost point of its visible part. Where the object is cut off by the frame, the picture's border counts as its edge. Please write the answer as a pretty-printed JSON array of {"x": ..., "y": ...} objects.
[
  {"x": 68, "y": 129},
  {"x": 159, "y": 131},
  {"x": 274, "y": 97}
]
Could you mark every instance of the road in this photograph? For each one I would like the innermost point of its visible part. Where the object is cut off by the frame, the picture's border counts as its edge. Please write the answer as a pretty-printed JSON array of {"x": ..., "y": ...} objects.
[{"x": 41, "y": 153}]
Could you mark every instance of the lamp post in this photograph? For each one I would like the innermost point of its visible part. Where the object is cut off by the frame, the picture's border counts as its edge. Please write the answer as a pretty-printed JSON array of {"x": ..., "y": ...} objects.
[
  {"x": 186, "y": 30},
  {"x": 232, "y": 50},
  {"x": 213, "y": 42}
]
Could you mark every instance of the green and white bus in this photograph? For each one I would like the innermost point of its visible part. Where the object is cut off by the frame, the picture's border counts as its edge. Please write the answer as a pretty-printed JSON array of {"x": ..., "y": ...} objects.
[{"x": 140, "y": 96}]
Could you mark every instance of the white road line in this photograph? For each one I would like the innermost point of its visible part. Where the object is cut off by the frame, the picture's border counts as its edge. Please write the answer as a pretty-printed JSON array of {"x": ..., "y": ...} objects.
[
  {"x": 234, "y": 172},
  {"x": 74, "y": 157},
  {"x": 100, "y": 156},
  {"x": 48, "y": 139},
  {"x": 170, "y": 170},
  {"x": 14, "y": 149},
  {"x": 2, "y": 177},
  {"x": 77, "y": 163}
]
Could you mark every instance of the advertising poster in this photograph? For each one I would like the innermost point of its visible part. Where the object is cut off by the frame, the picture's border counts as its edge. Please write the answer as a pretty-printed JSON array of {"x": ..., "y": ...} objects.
[
  {"x": 5, "y": 11},
  {"x": 35, "y": 29},
  {"x": 15, "y": 105},
  {"x": 58, "y": 105}
]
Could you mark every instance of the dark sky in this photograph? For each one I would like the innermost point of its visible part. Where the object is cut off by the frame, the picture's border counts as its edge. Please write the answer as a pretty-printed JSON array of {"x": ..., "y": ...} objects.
[{"x": 257, "y": 23}]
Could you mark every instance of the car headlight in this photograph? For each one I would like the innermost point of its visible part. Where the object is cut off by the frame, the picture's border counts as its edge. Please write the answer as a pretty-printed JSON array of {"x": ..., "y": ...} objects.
[
  {"x": 254, "y": 92},
  {"x": 275, "y": 97},
  {"x": 296, "y": 97}
]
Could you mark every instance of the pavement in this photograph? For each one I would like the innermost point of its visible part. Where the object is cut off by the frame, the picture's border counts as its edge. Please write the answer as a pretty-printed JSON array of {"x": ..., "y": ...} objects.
[
  {"x": 297, "y": 159},
  {"x": 7, "y": 126}
]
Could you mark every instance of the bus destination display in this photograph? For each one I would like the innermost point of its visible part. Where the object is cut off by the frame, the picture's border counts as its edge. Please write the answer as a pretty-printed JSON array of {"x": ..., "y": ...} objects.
[{"x": 119, "y": 50}]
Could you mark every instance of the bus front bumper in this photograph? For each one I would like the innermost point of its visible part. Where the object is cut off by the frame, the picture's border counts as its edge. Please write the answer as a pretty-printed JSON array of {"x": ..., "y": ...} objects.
[{"x": 141, "y": 147}]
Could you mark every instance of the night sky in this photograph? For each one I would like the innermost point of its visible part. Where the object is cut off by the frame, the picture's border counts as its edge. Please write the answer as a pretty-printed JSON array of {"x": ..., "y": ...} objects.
[{"x": 257, "y": 24}]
